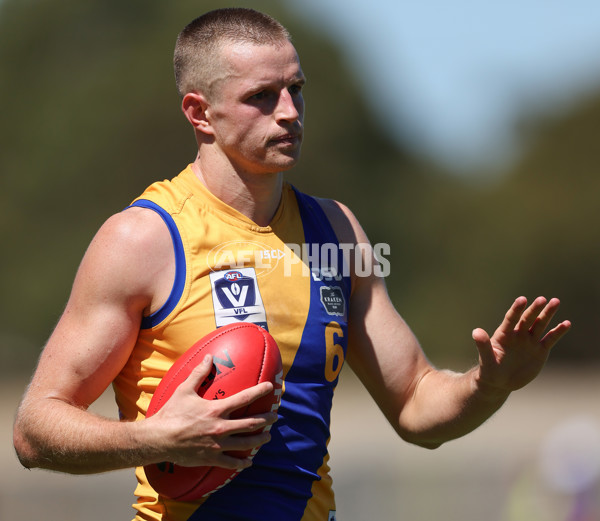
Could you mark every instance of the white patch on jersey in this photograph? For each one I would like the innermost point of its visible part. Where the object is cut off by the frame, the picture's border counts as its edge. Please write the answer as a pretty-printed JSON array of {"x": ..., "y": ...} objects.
[{"x": 236, "y": 297}]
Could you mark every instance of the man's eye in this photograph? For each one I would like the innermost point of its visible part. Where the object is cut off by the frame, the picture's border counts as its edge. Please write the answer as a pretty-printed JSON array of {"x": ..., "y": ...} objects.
[
  {"x": 295, "y": 89},
  {"x": 263, "y": 94}
]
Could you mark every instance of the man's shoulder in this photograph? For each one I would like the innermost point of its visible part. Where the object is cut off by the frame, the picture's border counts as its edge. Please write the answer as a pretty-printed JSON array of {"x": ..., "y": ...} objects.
[
  {"x": 123, "y": 259},
  {"x": 136, "y": 238},
  {"x": 342, "y": 219},
  {"x": 136, "y": 227}
]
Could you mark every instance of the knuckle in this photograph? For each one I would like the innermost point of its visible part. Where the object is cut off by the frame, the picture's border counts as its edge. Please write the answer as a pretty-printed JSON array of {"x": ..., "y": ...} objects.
[
  {"x": 255, "y": 424},
  {"x": 219, "y": 430}
]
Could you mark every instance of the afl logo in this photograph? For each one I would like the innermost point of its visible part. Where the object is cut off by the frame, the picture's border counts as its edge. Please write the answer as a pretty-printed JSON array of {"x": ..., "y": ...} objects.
[{"x": 232, "y": 276}]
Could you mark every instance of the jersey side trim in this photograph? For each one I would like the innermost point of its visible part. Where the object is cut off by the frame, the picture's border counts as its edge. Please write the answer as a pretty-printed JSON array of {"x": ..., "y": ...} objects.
[{"x": 180, "y": 266}]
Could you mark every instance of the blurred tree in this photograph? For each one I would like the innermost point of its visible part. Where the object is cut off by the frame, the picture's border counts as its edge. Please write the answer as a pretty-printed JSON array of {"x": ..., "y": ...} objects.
[
  {"x": 557, "y": 228},
  {"x": 535, "y": 231},
  {"x": 90, "y": 117}
]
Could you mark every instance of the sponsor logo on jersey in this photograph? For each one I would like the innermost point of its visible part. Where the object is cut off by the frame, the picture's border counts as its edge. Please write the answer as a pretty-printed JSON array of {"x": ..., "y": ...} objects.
[
  {"x": 233, "y": 255},
  {"x": 236, "y": 297},
  {"x": 333, "y": 300}
]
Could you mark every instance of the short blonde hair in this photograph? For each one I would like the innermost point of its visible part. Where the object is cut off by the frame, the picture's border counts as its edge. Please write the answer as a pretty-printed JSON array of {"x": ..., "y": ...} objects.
[{"x": 197, "y": 51}]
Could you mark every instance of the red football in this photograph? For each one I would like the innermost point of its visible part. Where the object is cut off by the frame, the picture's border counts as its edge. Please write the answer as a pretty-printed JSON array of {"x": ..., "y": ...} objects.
[{"x": 244, "y": 355}]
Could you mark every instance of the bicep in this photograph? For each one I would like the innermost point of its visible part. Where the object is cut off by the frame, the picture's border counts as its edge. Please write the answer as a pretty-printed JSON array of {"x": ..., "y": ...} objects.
[
  {"x": 98, "y": 329},
  {"x": 85, "y": 352}
]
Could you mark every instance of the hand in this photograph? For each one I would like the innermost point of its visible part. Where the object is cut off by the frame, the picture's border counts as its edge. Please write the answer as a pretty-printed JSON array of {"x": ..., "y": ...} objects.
[
  {"x": 519, "y": 348},
  {"x": 193, "y": 431}
]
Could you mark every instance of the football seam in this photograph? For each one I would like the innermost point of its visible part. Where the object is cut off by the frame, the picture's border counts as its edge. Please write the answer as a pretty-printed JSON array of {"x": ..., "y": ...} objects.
[{"x": 264, "y": 357}]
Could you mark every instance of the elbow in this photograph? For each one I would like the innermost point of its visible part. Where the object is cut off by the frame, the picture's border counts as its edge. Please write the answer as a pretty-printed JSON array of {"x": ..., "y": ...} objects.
[
  {"x": 421, "y": 441},
  {"x": 28, "y": 461},
  {"x": 419, "y": 437},
  {"x": 28, "y": 456},
  {"x": 431, "y": 445},
  {"x": 24, "y": 452}
]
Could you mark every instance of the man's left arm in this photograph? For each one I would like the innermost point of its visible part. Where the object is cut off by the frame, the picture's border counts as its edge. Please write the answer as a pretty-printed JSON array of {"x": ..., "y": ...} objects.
[{"x": 425, "y": 405}]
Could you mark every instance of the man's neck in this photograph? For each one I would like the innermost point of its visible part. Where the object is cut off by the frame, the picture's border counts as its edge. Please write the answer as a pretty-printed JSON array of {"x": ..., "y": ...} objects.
[{"x": 257, "y": 196}]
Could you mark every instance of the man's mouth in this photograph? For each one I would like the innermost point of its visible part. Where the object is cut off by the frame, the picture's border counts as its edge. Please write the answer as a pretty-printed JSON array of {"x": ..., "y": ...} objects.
[{"x": 290, "y": 138}]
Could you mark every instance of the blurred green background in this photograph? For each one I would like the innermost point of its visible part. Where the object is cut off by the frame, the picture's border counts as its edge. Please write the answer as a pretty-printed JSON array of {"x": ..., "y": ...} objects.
[{"x": 90, "y": 117}]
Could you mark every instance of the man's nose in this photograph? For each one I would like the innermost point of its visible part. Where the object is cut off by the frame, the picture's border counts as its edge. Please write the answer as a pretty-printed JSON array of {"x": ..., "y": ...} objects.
[{"x": 286, "y": 107}]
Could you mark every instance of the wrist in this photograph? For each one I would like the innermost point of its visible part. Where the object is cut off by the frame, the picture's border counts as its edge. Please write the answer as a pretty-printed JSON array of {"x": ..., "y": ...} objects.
[
  {"x": 487, "y": 390},
  {"x": 150, "y": 437}
]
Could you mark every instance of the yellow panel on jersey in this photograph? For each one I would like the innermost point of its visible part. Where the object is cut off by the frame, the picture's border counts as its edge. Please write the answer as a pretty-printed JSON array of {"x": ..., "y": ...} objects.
[{"x": 229, "y": 269}]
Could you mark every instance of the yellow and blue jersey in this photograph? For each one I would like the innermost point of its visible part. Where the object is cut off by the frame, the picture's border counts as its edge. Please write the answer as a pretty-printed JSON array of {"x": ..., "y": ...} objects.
[{"x": 286, "y": 277}]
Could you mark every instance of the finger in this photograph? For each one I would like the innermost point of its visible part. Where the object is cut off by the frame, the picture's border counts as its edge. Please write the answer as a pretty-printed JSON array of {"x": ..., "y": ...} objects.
[
  {"x": 480, "y": 336},
  {"x": 555, "y": 334},
  {"x": 545, "y": 316},
  {"x": 246, "y": 397},
  {"x": 253, "y": 423},
  {"x": 243, "y": 443},
  {"x": 513, "y": 315},
  {"x": 530, "y": 315},
  {"x": 222, "y": 460},
  {"x": 227, "y": 461},
  {"x": 199, "y": 374}
]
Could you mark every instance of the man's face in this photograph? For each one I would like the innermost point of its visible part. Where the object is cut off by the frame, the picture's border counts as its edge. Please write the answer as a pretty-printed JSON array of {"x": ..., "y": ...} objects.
[{"x": 257, "y": 110}]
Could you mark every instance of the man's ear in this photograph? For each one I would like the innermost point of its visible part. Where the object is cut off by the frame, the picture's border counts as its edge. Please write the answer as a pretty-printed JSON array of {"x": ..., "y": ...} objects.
[{"x": 194, "y": 107}]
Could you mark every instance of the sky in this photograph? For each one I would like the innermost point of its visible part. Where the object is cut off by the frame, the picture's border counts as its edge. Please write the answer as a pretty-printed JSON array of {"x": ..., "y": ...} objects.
[{"x": 450, "y": 78}]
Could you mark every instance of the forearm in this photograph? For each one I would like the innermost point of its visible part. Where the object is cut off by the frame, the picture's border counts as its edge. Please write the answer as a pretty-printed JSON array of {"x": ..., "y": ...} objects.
[
  {"x": 447, "y": 405},
  {"x": 55, "y": 435}
]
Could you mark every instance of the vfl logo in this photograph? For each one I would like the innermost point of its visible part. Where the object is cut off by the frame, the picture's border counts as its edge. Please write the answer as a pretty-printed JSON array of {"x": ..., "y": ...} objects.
[
  {"x": 236, "y": 297},
  {"x": 237, "y": 294}
]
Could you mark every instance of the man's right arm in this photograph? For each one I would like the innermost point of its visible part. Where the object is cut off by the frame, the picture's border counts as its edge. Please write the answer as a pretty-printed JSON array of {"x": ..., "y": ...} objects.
[{"x": 123, "y": 275}]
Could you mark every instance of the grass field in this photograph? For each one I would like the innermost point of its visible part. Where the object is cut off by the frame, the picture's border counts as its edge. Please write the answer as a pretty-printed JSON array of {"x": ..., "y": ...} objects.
[{"x": 494, "y": 474}]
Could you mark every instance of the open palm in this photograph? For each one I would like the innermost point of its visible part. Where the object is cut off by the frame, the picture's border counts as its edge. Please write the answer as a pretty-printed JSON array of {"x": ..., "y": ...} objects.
[{"x": 516, "y": 352}]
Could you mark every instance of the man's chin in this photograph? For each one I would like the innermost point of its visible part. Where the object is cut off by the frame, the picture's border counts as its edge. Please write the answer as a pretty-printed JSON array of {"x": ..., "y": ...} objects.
[{"x": 284, "y": 163}]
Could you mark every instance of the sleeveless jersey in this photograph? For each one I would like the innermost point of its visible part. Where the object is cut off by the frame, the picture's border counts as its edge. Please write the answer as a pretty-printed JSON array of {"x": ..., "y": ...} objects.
[{"x": 285, "y": 277}]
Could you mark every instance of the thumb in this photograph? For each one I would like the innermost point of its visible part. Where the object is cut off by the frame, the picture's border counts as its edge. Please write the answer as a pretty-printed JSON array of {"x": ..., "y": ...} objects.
[
  {"x": 484, "y": 346},
  {"x": 199, "y": 374}
]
